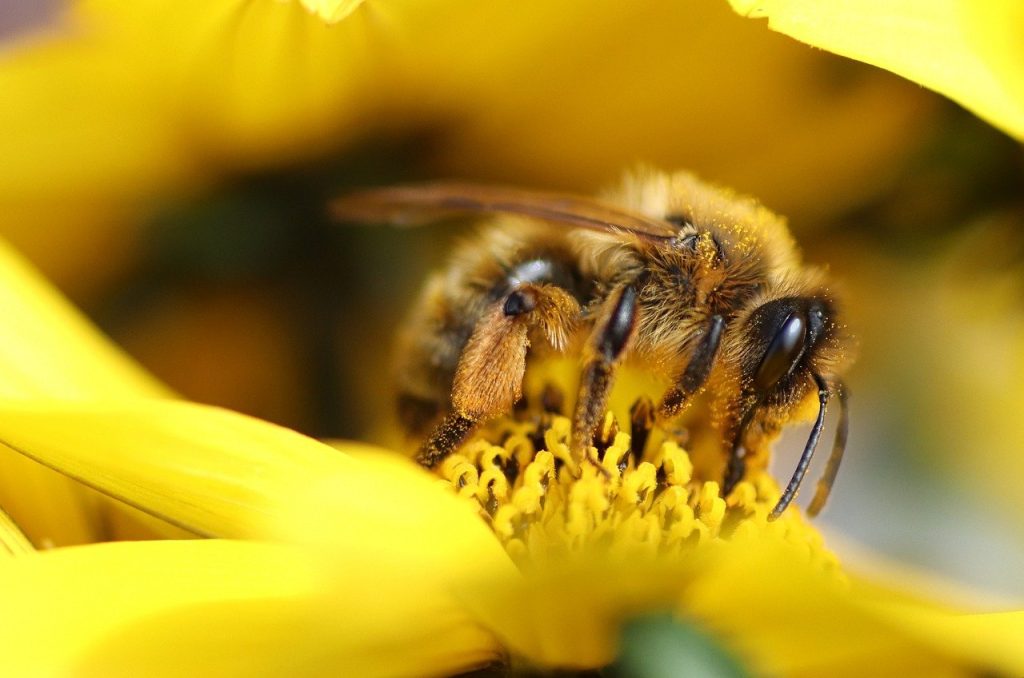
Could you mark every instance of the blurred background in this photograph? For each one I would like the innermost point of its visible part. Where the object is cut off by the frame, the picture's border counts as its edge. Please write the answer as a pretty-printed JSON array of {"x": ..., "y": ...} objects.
[{"x": 169, "y": 168}]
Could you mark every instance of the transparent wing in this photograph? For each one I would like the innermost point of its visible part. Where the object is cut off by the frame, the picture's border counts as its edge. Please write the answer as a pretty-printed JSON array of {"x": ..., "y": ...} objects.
[{"x": 416, "y": 204}]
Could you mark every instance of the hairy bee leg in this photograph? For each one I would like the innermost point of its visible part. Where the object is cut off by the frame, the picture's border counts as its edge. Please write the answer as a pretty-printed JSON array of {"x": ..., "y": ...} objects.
[
  {"x": 805, "y": 459},
  {"x": 448, "y": 435},
  {"x": 605, "y": 347},
  {"x": 836, "y": 458},
  {"x": 489, "y": 377},
  {"x": 697, "y": 370}
]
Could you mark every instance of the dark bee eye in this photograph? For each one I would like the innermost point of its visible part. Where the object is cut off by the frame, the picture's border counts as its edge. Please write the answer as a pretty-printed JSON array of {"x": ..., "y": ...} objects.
[{"x": 781, "y": 357}]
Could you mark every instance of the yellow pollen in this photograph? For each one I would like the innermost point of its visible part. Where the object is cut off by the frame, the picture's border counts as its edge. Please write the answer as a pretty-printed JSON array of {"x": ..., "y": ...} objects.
[{"x": 542, "y": 504}]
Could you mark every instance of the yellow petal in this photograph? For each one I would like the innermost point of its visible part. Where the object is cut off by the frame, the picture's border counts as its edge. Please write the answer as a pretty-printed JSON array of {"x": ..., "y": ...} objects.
[
  {"x": 762, "y": 599},
  {"x": 788, "y": 619},
  {"x": 49, "y": 349},
  {"x": 331, "y": 11},
  {"x": 386, "y": 509},
  {"x": 570, "y": 614},
  {"x": 991, "y": 639},
  {"x": 225, "y": 609},
  {"x": 208, "y": 470},
  {"x": 159, "y": 100},
  {"x": 74, "y": 140},
  {"x": 972, "y": 52},
  {"x": 52, "y": 510},
  {"x": 245, "y": 83},
  {"x": 388, "y": 504},
  {"x": 12, "y": 540}
]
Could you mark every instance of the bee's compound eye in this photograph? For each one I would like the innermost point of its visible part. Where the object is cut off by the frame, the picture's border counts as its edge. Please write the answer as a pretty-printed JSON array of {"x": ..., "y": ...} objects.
[
  {"x": 519, "y": 302},
  {"x": 783, "y": 353}
]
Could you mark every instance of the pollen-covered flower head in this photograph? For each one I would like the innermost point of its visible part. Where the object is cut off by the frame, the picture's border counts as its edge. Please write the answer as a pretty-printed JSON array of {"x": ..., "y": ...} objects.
[{"x": 639, "y": 495}]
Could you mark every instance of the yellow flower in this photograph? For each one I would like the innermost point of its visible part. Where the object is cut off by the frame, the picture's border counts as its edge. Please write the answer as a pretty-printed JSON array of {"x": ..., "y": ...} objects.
[
  {"x": 324, "y": 561},
  {"x": 358, "y": 562}
]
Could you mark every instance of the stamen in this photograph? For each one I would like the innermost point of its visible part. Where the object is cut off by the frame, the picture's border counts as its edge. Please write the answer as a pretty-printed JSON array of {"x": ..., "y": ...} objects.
[{"x": 646, "y": 497}]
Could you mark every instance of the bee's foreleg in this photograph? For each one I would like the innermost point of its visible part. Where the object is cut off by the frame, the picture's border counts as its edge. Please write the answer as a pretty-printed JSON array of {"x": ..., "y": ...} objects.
[
  {"x": 489, "y": 377},
  {"x": 615, "y": 326},
  {"x": 697, "y": 370}
]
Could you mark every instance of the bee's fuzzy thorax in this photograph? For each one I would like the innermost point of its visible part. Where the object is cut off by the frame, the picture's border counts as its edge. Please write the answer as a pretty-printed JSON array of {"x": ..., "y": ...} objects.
[{"x": 699, "y": 284}]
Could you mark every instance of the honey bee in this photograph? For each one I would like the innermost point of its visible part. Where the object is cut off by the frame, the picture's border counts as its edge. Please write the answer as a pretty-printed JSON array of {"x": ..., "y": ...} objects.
[{"x": 695, "y": 282}]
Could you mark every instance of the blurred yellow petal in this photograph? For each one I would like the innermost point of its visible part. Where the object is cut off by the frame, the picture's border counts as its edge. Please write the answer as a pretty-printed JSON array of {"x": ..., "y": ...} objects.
[
  {"x": 123, "y": 104},
  {"x": 244, "y": 83},
  {"x": 384, "y": 507},
  {"x": 790, "y": 620},
  {"x": 154, "y": 96},
  {"x": 12, "y": 540},
  {"x": 225, "y": 609},
  {"x": 208, "y": 470},
  {"x": 668, "y": 92},
  {"x": 763, "y": 600},
  {"x": 331, "y": 11},
  {"x": 990, "y": 639},
  {"x": 49, "y": 349},
  {"x": 569, "y": 615},
  {"x": 158, "y": 99},
  {"x": 972, "y": 52},
  {"x": 88, "y": 134}
]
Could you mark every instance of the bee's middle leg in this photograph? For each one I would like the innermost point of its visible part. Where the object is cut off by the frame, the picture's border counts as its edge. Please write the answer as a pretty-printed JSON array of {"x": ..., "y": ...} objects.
[
  {"x": 693, "y": 378},
  {"x": 489, "y": 377},
  {"x": 615, "y": 326}
]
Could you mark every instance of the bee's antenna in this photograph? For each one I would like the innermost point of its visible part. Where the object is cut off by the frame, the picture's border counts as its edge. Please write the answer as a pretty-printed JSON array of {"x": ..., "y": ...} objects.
[
  {"x": 805, "y": 458},
  {"x": 836, "y": 458}
]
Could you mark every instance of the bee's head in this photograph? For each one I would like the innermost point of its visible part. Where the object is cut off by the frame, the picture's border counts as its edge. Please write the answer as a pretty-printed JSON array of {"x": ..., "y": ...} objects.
[
  {"x": 787, "y": 348},
  {"x": 787, "y": 343}
]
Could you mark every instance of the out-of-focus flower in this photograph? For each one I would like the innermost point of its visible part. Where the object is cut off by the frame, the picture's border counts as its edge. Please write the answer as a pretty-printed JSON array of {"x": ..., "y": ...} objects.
[
  {"x": 972, "y": 52},
  {"x": 359, "y": 562},
  {"x": 120, "y": 105}
]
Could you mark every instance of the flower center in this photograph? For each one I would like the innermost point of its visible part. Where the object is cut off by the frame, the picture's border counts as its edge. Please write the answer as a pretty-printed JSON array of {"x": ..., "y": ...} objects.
[{"x": 640, "y": 494}]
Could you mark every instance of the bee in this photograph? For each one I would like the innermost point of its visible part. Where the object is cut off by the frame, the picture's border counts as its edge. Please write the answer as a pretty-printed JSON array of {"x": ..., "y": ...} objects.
[{"x": 691, "y": 280}]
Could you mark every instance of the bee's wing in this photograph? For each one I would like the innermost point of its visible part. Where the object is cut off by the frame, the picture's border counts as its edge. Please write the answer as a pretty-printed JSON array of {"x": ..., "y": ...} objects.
[{"x": 420, "y": 203}]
